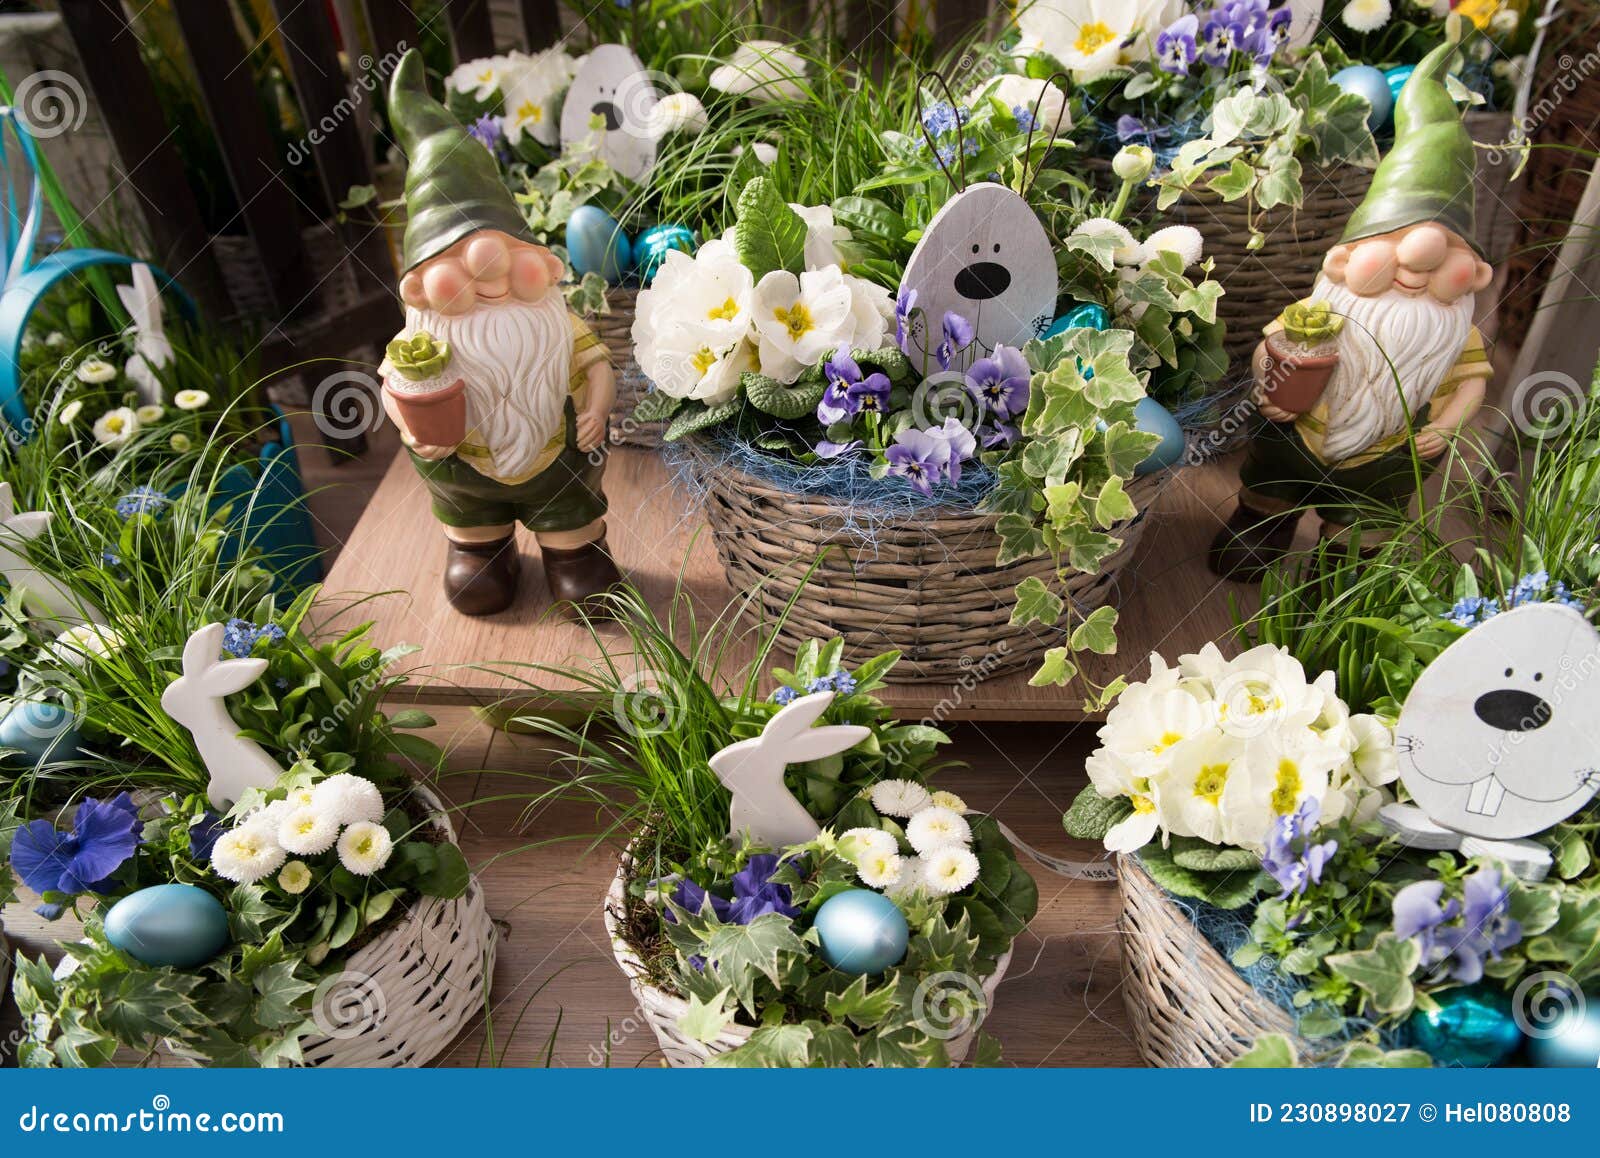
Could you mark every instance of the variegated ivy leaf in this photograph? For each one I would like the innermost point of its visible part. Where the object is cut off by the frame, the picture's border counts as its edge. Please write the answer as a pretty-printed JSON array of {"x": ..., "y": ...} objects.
[
  {"x": 1055, "y": 670},
  {"x": 1126, "y": 448},
  {"x": 1383, "y": 972},
  {"x": 1062, "y": 507},
  {"x": 1201, "y": 300},
  {"x": 1035, "y": 603},
  {"x": 705, "y": 1020},
  {"x": 1020, "y": 538},
  {"x": 1105, "y": 352},
  {"x": 1112, "y": 504},
  {"x": 1097, "y": 633},
  {"x": 1086, "y": 548},
  {"x": 1064, "y": 403},
  {"x": 1098, "y": 247},
  {"x": 1234, "y": 182},
  {"x": 1279, "y": 183},
  {"x": 740, "y": 953},
  {"x": 1049, "y": 459}
]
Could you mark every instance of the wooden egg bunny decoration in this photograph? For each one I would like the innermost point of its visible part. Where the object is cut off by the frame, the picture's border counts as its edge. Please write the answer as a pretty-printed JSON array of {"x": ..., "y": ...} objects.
[
  {"x": 612, "y": 84},
  {"x": 986, "y": 257}
]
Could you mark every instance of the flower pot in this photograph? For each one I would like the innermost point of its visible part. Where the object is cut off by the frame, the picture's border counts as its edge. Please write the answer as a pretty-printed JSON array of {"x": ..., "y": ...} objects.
[
  {"x": 1295, "y": 377},
  {"x": 434, "y": 414}
]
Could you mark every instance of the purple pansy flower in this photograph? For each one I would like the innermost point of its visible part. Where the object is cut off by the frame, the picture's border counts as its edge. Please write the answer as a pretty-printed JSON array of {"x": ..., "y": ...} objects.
[
  {"x": 754, "y": 894},
  {"x": 1215, "y": 44},
  {"x": 999, "y": 436},
  {"x": 960, "y": 442},
  {"x": 691, "y": 898},
  {"x": 871, "y": 394},
  {"x": 1131, "y": 128},
  {"x": 957, "y": 337},
  {"x": 919, "y": 458},
  {"x": 904, "y": 303},
  {"x": 103, "y": 838},
  {"x": 1175, "y": 44},
  {"x": 1000, "y": 382},
  {"x": 487, "y": 131},
  {"x": 203, "y": 835},
  {"x": 1453, "y": 948},
  {"x": 1291, "y": 858},
  {"x": 1485, "y": 906},
  {"x": 826, "y": 449}
]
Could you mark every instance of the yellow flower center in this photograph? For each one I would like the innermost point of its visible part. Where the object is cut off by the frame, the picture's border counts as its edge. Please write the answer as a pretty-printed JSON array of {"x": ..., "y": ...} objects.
[
  {"x": 1208, "y": 785},
  {"x": 364, "y": 846},
  {"x": 528, "y": 111},
  {"x": 1288, "y": 787},
  {"x": 115, "y": 424},
  {"x": 305, "y": 826},
  {"x": 1093, "y": 36},
  {"x": 1480, "y": 12},
  {"x": 704, "y": 358},
  {"x": 726, "y": 312},
  {"x": 796, "y": 319},
  {"x": 1143, "y": 804},
  {"x": 1167, "y": 740}
]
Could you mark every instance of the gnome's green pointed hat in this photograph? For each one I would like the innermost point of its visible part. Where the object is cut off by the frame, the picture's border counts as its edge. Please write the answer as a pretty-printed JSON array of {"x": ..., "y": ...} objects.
[
  {"x": 1428, "y": 174},
  {"x": 452, "y": 185}
]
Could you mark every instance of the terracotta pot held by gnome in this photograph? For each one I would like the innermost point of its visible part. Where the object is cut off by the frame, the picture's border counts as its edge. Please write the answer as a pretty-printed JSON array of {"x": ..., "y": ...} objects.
[
  {"x": 1301, "y": 356},
  {"x": 431, "y": 399}
]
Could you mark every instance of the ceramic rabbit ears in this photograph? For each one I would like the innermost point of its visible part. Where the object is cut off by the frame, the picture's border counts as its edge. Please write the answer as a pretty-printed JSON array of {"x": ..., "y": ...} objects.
[
  {"x": 961, "y": 129},
  {"x": 221, "y": 677}
]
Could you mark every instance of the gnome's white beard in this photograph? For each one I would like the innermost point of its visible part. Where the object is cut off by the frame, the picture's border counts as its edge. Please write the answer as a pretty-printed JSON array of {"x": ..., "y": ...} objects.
[
  {"x": 1419, "y": 335},
  {"x": 515, "y": 358}
]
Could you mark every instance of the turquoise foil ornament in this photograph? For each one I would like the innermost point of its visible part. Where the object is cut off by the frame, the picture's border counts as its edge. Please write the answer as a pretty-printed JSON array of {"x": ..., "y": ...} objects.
[
  {"x": 177, "y": 926},
  {"x": 1472, "y": 1028},
  {"x": 1154, "y": 418},
  {"x": 38, "y": 731},
  {"x": 1567, "y": 1037},
  {"x": 1372, "y": 83},
  {"x": 1396, "y": 78},
  {"x": 1090, "y": 315},
  {"x": 861, "y": 932},
  {"x": 597, "y": 244},
  {"x": 651, "y": 247}
]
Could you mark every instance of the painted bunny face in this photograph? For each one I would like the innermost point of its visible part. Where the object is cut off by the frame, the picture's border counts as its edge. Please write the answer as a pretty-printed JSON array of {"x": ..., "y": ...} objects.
[
  {"x": 1500, "y": 736},
  {"x": 984, "y": 256},
  {"x": 613, "y": 85}
]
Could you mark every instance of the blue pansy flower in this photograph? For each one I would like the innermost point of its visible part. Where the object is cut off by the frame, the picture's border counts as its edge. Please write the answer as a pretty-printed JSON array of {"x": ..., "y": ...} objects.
[
  {"x": 103, "y": 838},
  {"x": 1175, "y": 45}
]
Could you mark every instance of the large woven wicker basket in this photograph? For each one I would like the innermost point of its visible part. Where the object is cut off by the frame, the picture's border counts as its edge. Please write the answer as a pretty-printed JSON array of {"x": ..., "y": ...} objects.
[
  {"x": 926, "y": 584},
  {"x": 1188, "y": 1006},
  {"x": 615, "y": 329},
  {"x": 662, "y": 1009}
]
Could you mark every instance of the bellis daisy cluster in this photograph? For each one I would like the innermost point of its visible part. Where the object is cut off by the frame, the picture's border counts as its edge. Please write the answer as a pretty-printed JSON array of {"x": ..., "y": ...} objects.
[
  {"x": 941, "y": 861},
  {"x": 341, "y": 814}
]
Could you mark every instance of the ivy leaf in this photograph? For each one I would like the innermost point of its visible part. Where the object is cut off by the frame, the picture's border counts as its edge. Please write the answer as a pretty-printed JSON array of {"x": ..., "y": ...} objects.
[
  {"x": 1383, "y": 972},
  {"x": 1201, "y": 300},
  {"x": 280, "y": 991},
  {"x": 865, "y": 1008},
  {"x": 1105, "y": 353},
  {"x": 1126, "y": 447},
  {"x": 1113, "y": 505},
  {"x": 696, "y": 416},
  {"x": 1279, "y": 183},
  {"x": 772, "y": 397},
  {"x": 1035, "y": 603},
  {"x": 1572, "y": 855},
  {"x": 739, "y": 953},
  {"x": 1099, "y": 248},
  {"x": 1020, "y": 538},
  {"x": 1085, "y": 548},
  {"x": 1097, "y": 633},
  {"x": 705, "y": 1020},
  {"x": 1272, "y": 1051},
  {"x": 1092, "y": 815},
  {"x": 1055, "y": 670},
  {"x": 770, "y": 1047},
  {"x": 767, "y": 234},
  {"x": 1234, "y": 183},
  {"x": 1064, "y": 403},
  {"x": 1051, "y": 457}
]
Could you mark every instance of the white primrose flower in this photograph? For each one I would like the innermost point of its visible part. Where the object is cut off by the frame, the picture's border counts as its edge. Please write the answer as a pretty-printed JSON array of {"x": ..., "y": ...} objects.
[
  {"x": 364, "y": 848},
  {"x": 691, "y": 326},
  {"x": 934, "y": 828},
  {"x": 856, "y": 844},
  {"x": 899, "y": 797},
  {"x": 822, "y": 236},
  {"x": 1024, "y": 93},
  {"x": 308, "y": 830},
  {"x": 190, "y": 399},
  {"x": 1280, "y": 771},
  {"x": 246, "y": 855},
  {"x": 1191, "y": 801},
  {"x": 802, "y": 320},
  {"x": 116, "y": 427},
  {"x": 678, "y": 112},
  {"x": 480, "y": 79},
  {"x": 880, "y": 870},
  {"x": 1093, "y": 37},
  {"x": 763, "y": 70},
  {"x": 949, "y": 870},
  {"x": 1183, "y": 240},
  {"x": 951, "y": 801},
  {"x": 96, "y": 372},
  {"x": 1374, "y": 758},
  {"x": 295, "y": 878},
  {"x": 348, "y": 799},
  {"x": 871, "y": 314},
  {"x": 1366, "y": 15},
  {"x": 74, "y": 645}
]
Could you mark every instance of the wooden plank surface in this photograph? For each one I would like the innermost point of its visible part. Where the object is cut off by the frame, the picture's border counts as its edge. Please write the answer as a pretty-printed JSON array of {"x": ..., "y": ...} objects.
[{"x": 1170, "y": 602}]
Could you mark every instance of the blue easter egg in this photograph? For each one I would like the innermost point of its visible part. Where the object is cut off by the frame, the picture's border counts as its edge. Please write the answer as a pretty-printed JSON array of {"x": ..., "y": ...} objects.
[
  {"x": 861, "y": 931},
  {"x": 1396, "y": 78},
  {"x": 177, "y": 925},
  {"x": 1154, "y": 418},
  {"x": 40, "y": 731},
  {"x": 1374, "y": 85},
  {"x": 597, "y": 244},
  {"x": 1473, "y": 1027},
  {"x": 651, "y": 247},
  {"x": 1572, "y": 1038},
  {"x": 1090, "y": 314}
]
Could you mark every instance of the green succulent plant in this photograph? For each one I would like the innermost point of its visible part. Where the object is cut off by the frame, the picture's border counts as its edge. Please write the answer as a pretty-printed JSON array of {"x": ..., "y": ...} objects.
[
  {"x": 1311, "y": 323},
  {"x": 418, "y": 357}
]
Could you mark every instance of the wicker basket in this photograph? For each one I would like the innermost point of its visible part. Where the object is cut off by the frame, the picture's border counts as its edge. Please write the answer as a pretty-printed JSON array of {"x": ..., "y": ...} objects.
[
  {"x": 1188, "y": 1006},
  {"x": 926, "y": 585},
  {"x": 330, "y": 271},
  {"x": 662, "y": 1010},
  {"x": 5, "y": 966},
  {"x": 615, "y": 329}
]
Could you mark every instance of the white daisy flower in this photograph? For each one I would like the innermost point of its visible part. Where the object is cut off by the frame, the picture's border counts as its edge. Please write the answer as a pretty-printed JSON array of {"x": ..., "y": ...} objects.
[
  {"x": 949, "y": 870},
  {"x": 678, "y": 112},
  {"x": 364, "y": 848},
  {"x": 116, "y": 427},
  {"x": 295, "y": 878},
  {"x": 190, "y": 399},
  {"x": 899, "y": 797},
  {"x": 246, "y": 855},
  {"x": 763, "y": 70},
  {"x": 95, "y": 371},
  {"x": 181, "y": 443},
  {"x": 1366, "y": 15},
  {"x": 69, "y": 412},
  {"x": 934, "y": 828},
  {"x": 308, "y": 830},
  {"x": 857, "y": 844},
  {"x": 349, "y": 799},
  {"x": 151, "y": 413},
  {"x": 951, "y": 801},
  {"x": 268, "y": 817},
  {"x": 880, "y": 870},
  {"x": 1183, "y": 240},
  {"x": 910, "y": 882}
]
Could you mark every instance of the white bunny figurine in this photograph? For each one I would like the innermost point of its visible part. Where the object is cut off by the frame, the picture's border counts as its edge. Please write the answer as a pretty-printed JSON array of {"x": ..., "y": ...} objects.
[
  {"x": 45, "y": 597},
  {"x": 151, "y": 348},
  {"x": 753, "y": 771},
  {"x": 195, "y": 700}
]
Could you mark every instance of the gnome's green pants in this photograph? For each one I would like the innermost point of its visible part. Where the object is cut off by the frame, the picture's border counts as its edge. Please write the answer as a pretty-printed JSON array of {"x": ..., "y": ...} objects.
[{"x": 1280, "y": 474}]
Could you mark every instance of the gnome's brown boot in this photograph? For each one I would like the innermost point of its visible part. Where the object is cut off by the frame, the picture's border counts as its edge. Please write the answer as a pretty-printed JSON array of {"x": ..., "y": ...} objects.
[
  {"x": 579, "y": 575},
  {"x": 1250, "y": 543},
  {"x": 481, "y": 578}
]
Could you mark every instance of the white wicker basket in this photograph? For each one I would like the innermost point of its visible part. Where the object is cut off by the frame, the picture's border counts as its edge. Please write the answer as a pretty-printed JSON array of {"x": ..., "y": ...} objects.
[{"x": 662, "y": 1009}]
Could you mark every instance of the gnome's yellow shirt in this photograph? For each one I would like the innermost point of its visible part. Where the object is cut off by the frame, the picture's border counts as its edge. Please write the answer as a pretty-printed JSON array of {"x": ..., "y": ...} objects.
[
  {"x": 586, "y": 351},
  {"x": 1473, "y": 362}
]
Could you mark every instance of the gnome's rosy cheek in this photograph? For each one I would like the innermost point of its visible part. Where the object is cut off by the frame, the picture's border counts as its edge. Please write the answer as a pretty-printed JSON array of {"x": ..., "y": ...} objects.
[
  {"x": 533, "y": 271},
  {"x": 447, "y": 286},
  {"x": 1456, "y": 275},
  {"x": 1370, "y": 270}
]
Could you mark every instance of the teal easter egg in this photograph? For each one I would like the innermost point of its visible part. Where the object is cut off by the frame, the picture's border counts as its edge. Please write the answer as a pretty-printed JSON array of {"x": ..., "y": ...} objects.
[
  {"x": 1472, "y": 1028},
  {"x": 861, "y": 931},
  {"x": 651, "y": 247},
  {"x": 1396, "y": 78},
  {"x": 1090, "y": 314},
  {"x": 1564, "y": 1033},
  {"x": 597, "y": 244},
  {"x": 168, "y": 925},
  {"x": 1154, "y": 418},
  {"x": 40, "y": 731},
  {"x": 1371, "y": 83}
]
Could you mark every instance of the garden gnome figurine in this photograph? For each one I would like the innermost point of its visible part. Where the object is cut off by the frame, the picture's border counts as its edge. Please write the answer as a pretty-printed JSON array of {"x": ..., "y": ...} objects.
[
  {"x": 487, "y": 323},
  {"x": 1409, "y": 366}
]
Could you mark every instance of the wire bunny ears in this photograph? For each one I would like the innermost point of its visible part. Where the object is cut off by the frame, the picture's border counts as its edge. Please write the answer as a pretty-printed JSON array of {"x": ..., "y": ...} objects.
[{"x": 961, "y": 129}]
